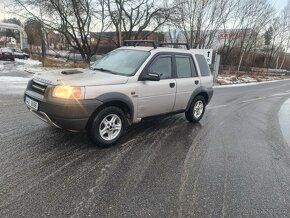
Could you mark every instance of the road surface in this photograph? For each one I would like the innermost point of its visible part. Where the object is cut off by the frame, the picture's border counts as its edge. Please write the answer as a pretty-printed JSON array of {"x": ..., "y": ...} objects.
[{"x": 234, "y": 163}]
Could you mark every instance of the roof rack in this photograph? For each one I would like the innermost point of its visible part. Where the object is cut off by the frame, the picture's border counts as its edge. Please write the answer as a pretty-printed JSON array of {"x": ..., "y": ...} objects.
[
  {"x": 169, "y": 43},
  {"x": 136, "y": 42}
]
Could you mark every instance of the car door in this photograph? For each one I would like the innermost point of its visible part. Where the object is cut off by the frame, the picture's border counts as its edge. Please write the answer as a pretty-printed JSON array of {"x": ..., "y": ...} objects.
[
  {"x": 157, "y": 97},
  {"x": 187, "y": 80}
]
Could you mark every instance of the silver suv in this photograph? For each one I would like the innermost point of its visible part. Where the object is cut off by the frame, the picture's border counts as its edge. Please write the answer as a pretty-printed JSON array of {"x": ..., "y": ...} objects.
[{"x": 125, "y": 86}]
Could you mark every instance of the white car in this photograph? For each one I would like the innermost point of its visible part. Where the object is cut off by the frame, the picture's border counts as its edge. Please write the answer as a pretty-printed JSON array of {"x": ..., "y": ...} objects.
[{"x": 124, "y": 87}]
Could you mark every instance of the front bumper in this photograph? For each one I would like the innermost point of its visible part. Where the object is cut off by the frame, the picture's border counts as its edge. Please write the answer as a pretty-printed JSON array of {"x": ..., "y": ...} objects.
[{"x": 65, "y": 114}]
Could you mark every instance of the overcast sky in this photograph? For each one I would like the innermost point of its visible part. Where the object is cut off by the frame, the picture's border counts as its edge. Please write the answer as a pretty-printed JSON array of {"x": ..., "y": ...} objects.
[{"x": 279, "y": 5}]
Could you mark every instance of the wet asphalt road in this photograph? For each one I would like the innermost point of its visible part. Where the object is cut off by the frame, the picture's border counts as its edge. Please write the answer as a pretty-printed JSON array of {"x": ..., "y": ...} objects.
[{"x": 234, "y": 163}]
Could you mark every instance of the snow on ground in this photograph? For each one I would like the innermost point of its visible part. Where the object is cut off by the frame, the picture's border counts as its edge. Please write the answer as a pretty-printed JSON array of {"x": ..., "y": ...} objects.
[
  {"x": 233, "y": 80},
  {"x": 27, "y": 64},
  {"x": 12, "y": 79},
  {"x": 13, "y": 85},
  {"x": 246, "y": 84},
  {"x": 284, "y": 120}
]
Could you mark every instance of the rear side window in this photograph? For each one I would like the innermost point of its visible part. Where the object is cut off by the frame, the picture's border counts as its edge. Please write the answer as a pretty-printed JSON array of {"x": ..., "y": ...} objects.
[
  {"x": 203, "y": 65},
  {"x": 162, "y": 66},
  {"x": 185, "y": 67}
]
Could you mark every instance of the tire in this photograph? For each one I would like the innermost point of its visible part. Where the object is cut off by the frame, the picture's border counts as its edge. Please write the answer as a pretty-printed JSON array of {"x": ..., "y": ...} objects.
[
  {"x": 196, "y": 109},
  {"x": 112, "y": 131}
]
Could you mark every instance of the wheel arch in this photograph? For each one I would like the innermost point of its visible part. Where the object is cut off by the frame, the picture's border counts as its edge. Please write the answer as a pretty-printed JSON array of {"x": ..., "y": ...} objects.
[
  {"x": 200, "y": 91},
  {"x": 118, "y": 100}
]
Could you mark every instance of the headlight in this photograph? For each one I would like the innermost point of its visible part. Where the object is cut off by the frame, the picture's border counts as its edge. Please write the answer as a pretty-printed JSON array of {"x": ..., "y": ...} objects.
[{"x": 68, "y": 92}]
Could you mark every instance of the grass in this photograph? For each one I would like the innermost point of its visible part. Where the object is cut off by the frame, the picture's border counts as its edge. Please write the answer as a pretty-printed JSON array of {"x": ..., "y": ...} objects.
[
  {"x": 64, "y": 64},
  {"x": 61, "y": 63}
]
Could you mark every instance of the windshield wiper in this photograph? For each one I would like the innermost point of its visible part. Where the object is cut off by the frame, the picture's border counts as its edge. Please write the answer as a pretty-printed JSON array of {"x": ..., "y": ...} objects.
[{"x": 104, "y": 70}]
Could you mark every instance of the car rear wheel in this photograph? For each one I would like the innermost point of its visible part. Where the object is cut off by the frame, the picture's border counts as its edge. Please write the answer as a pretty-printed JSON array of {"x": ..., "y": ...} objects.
[
  {"x": 107, "y": 127},
  {"x": 196, "y": 109}
]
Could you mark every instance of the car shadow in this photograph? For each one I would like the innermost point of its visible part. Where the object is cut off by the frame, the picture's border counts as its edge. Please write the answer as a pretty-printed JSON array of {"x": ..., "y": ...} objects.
[{"x": 175, "y": 125}]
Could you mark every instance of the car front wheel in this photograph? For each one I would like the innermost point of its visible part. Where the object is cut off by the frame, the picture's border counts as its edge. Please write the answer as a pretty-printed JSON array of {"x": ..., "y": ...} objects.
[
  {"x": 196, "y": 109},
  {"x": 107, "y": 127}
]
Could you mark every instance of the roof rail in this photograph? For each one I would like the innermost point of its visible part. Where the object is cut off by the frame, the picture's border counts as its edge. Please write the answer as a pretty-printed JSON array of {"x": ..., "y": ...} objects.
[
  {"x": 171, "y": 43},
  {"x": 137, "y": 42}
]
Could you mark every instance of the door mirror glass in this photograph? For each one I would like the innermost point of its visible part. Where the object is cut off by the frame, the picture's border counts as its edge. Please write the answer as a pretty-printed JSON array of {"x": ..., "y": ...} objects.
[{"x": 150, "y": 77}]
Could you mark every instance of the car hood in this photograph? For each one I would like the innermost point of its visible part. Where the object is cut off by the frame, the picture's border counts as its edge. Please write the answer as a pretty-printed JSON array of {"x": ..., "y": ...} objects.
[{"x": 79, "y": 77}]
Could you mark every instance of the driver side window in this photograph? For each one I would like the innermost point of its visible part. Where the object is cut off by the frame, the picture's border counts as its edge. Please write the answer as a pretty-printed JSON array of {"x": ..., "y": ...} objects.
[{"x": 163, "y": 66}]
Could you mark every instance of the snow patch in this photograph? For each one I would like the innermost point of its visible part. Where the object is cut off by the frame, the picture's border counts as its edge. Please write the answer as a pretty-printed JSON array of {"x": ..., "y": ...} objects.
[
  {"x": 229, "y": 85},
  {"x": 14, "y": 79},
  {"x": 247, "y": 78},
  {"x": 28, "y": 61},
  {"x": 284, "y": 120},
  {"x": 27, "y": 64}
]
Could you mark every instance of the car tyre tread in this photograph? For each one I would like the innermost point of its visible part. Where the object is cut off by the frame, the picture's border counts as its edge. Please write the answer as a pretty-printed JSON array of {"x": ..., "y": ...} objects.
[{"x": 189, "y": 113}]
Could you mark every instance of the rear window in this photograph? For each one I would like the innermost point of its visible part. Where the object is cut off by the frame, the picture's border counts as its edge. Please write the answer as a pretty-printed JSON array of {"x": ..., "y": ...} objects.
[{"x": 203, "y": 65}]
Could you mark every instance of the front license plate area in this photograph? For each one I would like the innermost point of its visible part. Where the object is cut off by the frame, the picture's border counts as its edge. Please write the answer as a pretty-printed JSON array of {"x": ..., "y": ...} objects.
[{"x": 31, "y": 103}]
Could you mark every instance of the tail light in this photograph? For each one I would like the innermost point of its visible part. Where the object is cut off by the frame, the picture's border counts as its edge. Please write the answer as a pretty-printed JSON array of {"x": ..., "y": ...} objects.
[{"x": 0, "y": 52}]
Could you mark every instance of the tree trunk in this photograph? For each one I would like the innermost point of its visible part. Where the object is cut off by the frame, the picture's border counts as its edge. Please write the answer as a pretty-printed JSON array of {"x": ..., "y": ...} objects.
[{"x": 241, "y": 59}]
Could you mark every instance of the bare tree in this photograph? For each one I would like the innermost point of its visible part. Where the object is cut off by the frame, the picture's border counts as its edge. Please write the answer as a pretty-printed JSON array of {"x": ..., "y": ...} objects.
[
  {"x": 255, "y": 16},
  {"x": 281, "y": 38},
  {"x": 286, "y": 21},
  {"x": 74, "y": 19},
  {"x": 133, "y": 17},
  {"x": 200, "y": 20}
]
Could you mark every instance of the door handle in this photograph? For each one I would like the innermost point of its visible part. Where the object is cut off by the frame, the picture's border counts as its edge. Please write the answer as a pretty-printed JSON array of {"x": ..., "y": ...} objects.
[
  {"x": 196, "y": 82},
  {"x": 172, "y": 85}
]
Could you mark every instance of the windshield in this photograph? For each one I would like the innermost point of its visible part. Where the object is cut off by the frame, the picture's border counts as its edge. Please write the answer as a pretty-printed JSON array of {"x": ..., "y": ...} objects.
[{"x": 122, "y": 61}]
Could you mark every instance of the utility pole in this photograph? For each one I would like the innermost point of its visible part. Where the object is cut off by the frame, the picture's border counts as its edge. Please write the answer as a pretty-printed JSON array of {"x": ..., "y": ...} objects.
[
  {"x": 43, "y": 48},
  {"x": 120, "y": 8},
  {"x": 120, "y": 34}
]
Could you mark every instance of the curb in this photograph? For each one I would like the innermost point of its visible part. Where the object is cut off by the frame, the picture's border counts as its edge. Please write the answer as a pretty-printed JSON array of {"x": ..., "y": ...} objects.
[{"x": 247, "y": 84}]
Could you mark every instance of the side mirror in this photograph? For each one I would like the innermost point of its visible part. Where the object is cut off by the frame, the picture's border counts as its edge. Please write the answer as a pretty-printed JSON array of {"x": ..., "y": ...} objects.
[{"x": 150, "y": 77}]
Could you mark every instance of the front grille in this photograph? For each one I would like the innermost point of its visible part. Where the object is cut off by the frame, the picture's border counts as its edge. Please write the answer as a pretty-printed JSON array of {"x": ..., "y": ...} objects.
[{"x": 38, "y": 87}]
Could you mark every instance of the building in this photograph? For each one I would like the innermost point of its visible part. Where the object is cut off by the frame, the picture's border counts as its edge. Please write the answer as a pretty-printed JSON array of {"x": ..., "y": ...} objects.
[
  {"x": 231, "y": 37},
  {"x": 111, "y": 39},
  {"x": 55, "y": 40},
  {"x": 8, "y": 42}
]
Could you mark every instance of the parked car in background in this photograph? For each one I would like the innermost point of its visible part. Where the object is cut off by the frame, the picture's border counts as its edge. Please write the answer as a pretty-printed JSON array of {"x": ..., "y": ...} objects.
[
  {"x": 6, "y": 54},
  {"x": 20, "y": 54}
]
